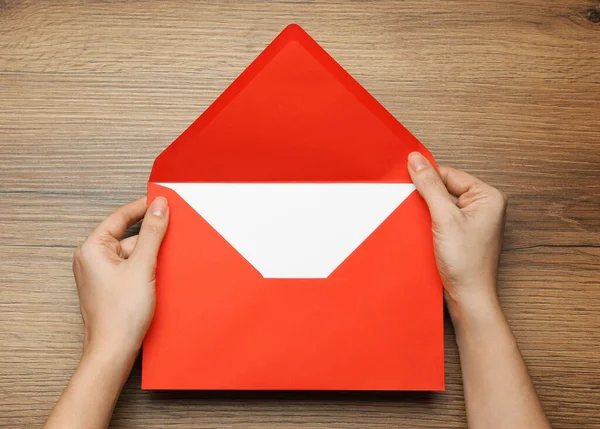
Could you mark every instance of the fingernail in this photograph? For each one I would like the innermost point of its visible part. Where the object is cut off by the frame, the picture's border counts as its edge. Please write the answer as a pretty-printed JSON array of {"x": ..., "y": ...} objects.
[
  {"x": 159, "y": 207},
  {"x": 416, "y": 161}
]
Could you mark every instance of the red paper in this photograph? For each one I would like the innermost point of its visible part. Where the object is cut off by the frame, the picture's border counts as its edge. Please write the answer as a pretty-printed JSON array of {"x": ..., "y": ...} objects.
[{"x": 224, "y": 319}]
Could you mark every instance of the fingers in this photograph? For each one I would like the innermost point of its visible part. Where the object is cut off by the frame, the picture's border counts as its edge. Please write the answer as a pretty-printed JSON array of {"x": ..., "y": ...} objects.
[
  {"x": 430, "y": 186},
  {"x": 127, "y": 246},
  {"x": 470, "y": 189},
  {"x": 152, "y": 232},
  {"x": 457, "y": 182},
  {"x": 122, "y": 218}
]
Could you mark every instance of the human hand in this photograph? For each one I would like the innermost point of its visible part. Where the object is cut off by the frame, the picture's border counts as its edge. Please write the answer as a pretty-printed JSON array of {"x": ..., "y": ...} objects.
[
  {"x": 468, "y": 229},
  {"x": 115, "y": 278},
  {"x": 115, "y": 281}
]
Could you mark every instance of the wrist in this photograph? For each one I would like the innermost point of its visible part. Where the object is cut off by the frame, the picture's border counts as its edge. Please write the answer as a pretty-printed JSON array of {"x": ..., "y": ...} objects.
[
  {"x": 116, "y": 347},
  {"x": 114, "y": 362},
  {"x": 476, "y": 309}
]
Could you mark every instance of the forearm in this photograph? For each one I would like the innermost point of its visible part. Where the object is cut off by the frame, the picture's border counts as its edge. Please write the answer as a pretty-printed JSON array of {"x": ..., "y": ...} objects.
[
  {"x": 498, "y": 390},
  {"x": 92, "y": 392}
]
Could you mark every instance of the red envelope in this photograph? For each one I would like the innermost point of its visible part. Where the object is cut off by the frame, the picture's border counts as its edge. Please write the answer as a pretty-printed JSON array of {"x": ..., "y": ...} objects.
[{"x": 298, "y": 254}]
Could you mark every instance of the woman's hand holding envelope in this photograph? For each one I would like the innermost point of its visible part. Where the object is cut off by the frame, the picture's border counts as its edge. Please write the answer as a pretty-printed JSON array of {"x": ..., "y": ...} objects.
[
  {"x": 115, "y": 278},
  {"x": 115, "y": 282},
  {"x": 468, "y": 228}
]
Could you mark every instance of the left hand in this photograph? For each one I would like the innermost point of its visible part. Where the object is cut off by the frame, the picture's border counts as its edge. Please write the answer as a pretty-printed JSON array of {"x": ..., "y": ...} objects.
[{"x": 115, "y": 278}]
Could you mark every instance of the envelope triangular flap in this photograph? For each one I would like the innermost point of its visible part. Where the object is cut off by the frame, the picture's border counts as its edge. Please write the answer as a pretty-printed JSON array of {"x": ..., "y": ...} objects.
[{"x": 294, "y": 115}]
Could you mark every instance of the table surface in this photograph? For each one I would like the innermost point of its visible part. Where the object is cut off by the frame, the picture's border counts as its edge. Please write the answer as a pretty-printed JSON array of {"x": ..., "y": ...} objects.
[{"x": 91, "y": 92}]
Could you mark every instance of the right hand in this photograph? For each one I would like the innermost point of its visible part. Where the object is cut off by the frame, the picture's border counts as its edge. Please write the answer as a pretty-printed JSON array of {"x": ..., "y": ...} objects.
[{"x": 468, "y": 229}]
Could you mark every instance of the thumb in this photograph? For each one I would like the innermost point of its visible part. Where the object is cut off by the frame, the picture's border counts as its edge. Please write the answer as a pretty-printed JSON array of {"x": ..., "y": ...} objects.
[
  {"x": 430, "y": 186},
  {"x": 152, "y": 232}
]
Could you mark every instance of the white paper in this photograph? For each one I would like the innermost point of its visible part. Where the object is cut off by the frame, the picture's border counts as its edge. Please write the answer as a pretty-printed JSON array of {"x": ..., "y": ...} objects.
[{"x": 294, "y": 230}]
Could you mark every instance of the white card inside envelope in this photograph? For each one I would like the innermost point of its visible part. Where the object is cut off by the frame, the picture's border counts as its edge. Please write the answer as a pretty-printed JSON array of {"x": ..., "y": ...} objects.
[{"x": 294, "y": 230}]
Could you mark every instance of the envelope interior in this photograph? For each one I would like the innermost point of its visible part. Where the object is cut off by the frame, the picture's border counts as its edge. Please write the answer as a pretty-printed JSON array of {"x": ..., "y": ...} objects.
[
  {"x": 294, "y": 115},
  {"x": 294, "y": 230}
]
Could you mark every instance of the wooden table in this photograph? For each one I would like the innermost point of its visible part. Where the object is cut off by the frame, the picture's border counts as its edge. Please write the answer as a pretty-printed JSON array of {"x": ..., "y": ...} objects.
[{"x": 91, "y": 92}]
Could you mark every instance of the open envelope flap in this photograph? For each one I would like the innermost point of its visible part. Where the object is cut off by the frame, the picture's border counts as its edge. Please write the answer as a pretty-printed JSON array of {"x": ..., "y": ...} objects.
[
  {"x": 294, "y": 115},
  {"x": 294, "y": 230}
]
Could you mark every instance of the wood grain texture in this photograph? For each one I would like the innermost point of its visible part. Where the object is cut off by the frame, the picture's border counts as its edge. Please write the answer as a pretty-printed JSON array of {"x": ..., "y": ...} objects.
[{"x": 92, "y": 91}]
